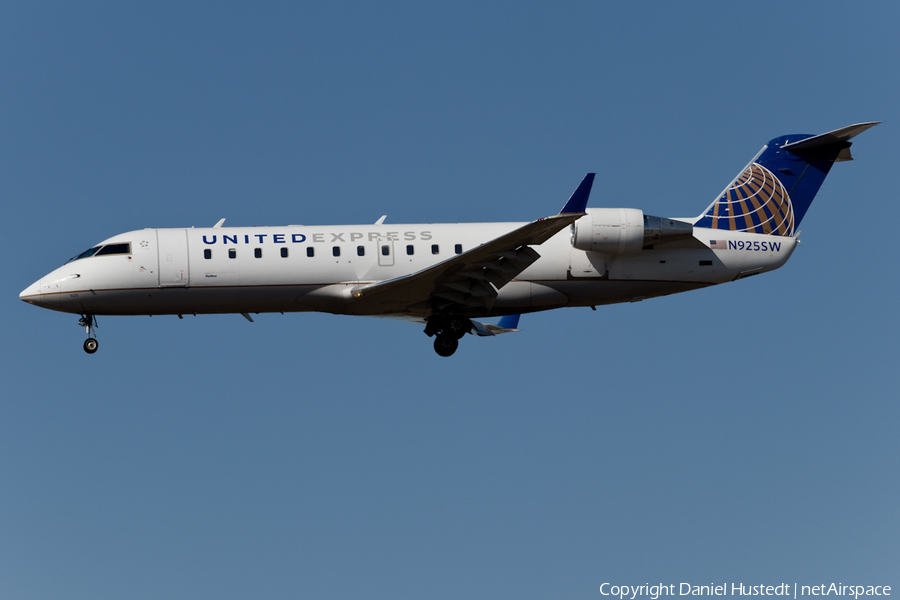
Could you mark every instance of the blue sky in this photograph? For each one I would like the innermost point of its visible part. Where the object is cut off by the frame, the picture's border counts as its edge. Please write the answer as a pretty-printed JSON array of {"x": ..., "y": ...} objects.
[{"x": 745, "y": 433}]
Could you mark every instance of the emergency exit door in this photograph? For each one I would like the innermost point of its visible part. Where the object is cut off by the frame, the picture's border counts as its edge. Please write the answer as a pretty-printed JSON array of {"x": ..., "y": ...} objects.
[{"x": 386, "y": 253}]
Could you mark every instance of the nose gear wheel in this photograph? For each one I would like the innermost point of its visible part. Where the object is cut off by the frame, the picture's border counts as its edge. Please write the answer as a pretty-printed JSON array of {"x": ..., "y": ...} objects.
[{"x": 89, "y": 322}]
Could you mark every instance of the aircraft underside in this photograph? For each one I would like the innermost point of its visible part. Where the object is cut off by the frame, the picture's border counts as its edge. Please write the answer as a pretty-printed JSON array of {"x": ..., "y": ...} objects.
[
  {"x": 447, "y": 328},
  {"x": 302, "y": 298}
]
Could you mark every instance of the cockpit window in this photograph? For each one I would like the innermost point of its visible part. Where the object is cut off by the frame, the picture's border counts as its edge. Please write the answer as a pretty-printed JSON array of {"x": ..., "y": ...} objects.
[
  {"x": 103, "y": 250},
  {"x": 85, "y": 254},
  {"x": 115, "y": 249}
]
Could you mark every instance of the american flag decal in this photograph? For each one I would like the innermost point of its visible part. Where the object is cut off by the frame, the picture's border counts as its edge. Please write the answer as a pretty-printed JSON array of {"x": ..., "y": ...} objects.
[{"x": 718, "y": 244}]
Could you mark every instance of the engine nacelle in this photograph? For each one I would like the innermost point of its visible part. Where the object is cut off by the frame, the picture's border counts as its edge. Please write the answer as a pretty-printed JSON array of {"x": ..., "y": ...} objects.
[
  {"x": 625, "y": 230},
  {"x": 610, "y": 230}
]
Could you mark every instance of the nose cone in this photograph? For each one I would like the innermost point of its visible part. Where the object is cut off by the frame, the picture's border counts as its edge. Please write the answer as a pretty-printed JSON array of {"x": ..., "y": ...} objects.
[{"x": 32, "y": 294}]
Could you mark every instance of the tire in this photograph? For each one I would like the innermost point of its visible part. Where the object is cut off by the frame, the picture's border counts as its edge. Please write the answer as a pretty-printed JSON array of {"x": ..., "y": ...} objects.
[
  {"x": 90, "y": 345},
  {"x": 458, "y": 327},
  {"x": 445, "y": 345}
]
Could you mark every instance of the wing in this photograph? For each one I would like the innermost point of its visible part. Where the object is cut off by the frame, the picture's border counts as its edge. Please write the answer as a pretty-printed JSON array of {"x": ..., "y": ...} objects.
[{"x": 467, "y": 283}]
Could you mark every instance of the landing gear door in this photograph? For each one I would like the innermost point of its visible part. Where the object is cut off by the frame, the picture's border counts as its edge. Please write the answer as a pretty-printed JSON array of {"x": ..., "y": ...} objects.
[
  {"x": 386, "y": 253},
  {"x": 174, "y": 268}
]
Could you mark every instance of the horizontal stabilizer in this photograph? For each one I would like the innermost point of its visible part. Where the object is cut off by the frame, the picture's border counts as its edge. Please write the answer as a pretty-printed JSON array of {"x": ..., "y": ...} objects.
[{"x": 837, "y": 136}]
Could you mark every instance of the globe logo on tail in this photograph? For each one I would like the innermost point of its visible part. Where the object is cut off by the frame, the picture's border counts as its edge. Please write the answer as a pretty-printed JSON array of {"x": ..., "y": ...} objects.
[{"x": 756, "y": 203}]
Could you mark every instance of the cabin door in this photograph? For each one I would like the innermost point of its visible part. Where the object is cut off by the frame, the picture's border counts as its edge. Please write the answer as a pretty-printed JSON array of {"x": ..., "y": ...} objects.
[
  {"x": 386, "y": 253},
  {"x": 174, "y": 269}
]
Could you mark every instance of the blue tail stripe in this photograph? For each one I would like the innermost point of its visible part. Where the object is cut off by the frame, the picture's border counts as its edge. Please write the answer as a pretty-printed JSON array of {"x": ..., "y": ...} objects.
[{"x": 801, "y": 175}]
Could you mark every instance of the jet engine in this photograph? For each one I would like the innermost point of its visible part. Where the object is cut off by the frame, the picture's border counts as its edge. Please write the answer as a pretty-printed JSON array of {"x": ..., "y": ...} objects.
[{"x": 625, "y": 230}]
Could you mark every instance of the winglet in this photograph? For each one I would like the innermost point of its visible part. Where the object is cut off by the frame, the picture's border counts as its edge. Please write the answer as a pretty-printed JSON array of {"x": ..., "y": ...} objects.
[
  {"x": 507, "y": 324},
  {"x": 579, "y": 199},
  {"x": 510, "y": 322}
]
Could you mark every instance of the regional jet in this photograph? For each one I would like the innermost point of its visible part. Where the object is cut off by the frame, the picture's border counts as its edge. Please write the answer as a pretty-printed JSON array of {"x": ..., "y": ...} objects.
[{"x": 450, "y": 276}]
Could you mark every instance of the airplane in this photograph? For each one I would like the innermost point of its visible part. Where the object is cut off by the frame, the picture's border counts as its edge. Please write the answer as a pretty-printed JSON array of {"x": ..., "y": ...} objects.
[{"x": 446, "y": 276}]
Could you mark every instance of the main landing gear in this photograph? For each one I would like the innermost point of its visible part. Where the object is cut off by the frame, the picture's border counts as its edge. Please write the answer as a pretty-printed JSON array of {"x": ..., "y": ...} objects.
[
  {"x": 445, "y": 345},
  {"x": 89, "y": 322},
  {"x": 448, "y": 330}
]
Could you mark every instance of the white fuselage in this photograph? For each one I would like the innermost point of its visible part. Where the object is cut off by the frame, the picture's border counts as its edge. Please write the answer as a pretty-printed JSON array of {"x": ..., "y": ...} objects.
[{"x": 269, "y": 269}]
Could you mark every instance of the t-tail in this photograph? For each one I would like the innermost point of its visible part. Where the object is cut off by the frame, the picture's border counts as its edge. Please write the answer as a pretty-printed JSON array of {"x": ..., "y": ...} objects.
[{"x": 772, "y": 194}]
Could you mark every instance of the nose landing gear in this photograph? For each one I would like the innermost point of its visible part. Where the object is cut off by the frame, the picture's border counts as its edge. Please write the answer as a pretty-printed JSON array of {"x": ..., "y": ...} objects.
[{"x": 89, "y": 322}]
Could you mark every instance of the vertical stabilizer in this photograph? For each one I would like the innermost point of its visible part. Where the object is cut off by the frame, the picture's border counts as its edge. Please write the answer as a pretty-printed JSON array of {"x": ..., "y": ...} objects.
[{"x": 772, "y": 194}]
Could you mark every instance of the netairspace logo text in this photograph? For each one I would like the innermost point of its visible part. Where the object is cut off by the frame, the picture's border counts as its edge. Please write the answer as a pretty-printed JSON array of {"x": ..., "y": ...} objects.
[{"x": 654, "y": 592}]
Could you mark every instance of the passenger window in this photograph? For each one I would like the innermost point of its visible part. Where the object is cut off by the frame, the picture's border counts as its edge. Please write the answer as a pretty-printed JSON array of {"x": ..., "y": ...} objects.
[
  {"x": 434, "y": 249},
  {"x": 115, "y": 249},
  {"x": 360, "y": 250},
  {"x": 310, "y": 251},
  {"x": 458, "y": 248},
  {"x": 336, "y": 251},
  {"x": 410, "y": 249},
  {"x": 257, "y": 252},
  {"x": 207, "y": 253},
  {"x": 232, "y": 253},
  {"x": 284, "y": 252},
  {"x": 385, "y": 250}
]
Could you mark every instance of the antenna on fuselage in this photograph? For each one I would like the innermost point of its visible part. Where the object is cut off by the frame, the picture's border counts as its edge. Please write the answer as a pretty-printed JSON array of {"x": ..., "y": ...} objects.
[
  {"x": 219, "y": 224},
  {"x": 381, "y": 220}
]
